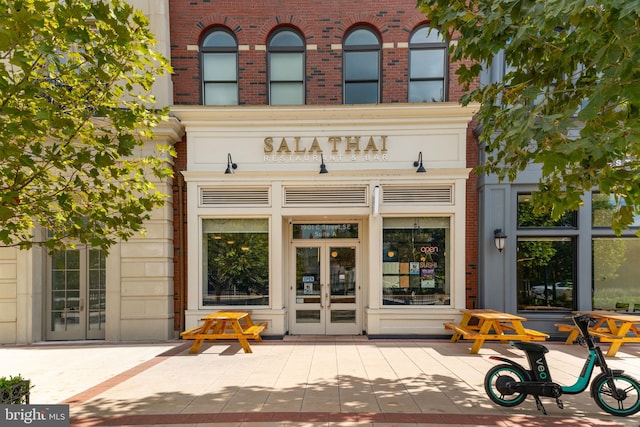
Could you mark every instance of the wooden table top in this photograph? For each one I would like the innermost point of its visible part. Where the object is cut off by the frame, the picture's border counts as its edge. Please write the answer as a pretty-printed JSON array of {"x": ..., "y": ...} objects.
[
  {"x": 226, "y": 315},
  {"x": 489, "y": 314},
  {"x": 622, "y": 317}
]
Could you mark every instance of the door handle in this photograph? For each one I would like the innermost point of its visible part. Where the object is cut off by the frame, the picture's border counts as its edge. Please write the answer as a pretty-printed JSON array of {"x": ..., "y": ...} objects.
[
  {"x": 328, "y": 300},
  {"x": 82, "y": 304}
]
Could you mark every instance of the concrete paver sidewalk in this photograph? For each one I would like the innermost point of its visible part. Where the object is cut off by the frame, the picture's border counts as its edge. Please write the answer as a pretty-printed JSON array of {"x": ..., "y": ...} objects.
[{"x": 299, "y": 381}]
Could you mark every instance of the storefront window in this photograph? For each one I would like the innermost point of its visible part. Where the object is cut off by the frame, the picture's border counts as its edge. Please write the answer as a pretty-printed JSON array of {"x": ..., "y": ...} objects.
[
  {"x": 615, "y": 273},
  {"x": 602, "y": 209},
  {"x": 415, "y": 263},
  {"x": 236, "y": 262},
  {"x": 546, "y": 273}
]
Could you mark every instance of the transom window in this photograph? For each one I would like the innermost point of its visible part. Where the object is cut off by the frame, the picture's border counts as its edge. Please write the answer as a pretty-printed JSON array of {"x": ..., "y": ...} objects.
[
  {"x": 286, "y": 68},
  {"x": 219, "y": 56},
  {"x": 427, "y": 66},
  {"x": 361, "y": 67}
]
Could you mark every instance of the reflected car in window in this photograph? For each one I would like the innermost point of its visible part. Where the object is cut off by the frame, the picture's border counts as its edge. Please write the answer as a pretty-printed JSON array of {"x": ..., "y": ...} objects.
[{"x": 558, "y": 291}]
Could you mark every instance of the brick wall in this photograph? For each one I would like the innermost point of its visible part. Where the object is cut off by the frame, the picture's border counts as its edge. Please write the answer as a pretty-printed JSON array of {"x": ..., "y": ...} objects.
[
  {"x": 323, "y": 24},
  {"x": 180, "y": 236}
]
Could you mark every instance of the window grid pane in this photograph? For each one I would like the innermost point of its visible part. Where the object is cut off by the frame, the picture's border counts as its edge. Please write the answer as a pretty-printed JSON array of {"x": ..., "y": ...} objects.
[
  {"x": 429, "y": 91},
  {"x": 427, "y": 63},
  {"x": 287, "y": 94},
  {"x": 361, "y": 66},
  {"x": 361, "y": 93},
  {"x": 221, "y": 94},
  {"x": 219, "y": 67},
  {"x": 287, "y": 67}
]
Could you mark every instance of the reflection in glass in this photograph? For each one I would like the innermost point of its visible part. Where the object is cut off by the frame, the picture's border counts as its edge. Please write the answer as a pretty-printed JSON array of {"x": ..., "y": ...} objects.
[
  {"x": 286, "y": 68},
  {"x": 236, "y": 260},
  {"x": 528, "y": 218},
  {"x": 603, "y": 208},
  {"x": 219, "y": 68},
  {"x": 414, "y": 261},
  {"x": 426, "y": 92},
  {"x": 343, "y": 316},
  {"x": 307, "y": 316},
  {"x": 342, "y": 267},
  {"x": 361, "y": 67},
  {"x": 65, "y": 295},
  {"x": 428, "y": 65},
  {"x": 615, "y": 273},
  {"x": 546, "y": 273},
  {"x": 308, "y": 275},
  {"x": 97, "y": 289}
]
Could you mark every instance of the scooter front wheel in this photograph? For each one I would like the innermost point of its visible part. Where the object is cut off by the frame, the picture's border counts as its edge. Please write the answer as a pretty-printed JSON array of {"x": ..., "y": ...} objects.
[
  {"x": 499, "y": 382},
  {"x": 627, "y": 401}
]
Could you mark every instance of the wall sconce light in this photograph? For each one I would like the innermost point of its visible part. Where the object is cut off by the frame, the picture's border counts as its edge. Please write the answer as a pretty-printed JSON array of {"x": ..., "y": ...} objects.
[
  {"x": 323, "y": 167},
  {"x": 499, "y": 238},
  {"x": 230, "y": 165},
  {"x": 419, "y": 165}
]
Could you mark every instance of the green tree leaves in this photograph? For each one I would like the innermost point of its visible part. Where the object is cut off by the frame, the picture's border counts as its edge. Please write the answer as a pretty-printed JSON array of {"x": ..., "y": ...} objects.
[
  {"x": 570, "y": 99},
  {"x": 74, "y": 115}
]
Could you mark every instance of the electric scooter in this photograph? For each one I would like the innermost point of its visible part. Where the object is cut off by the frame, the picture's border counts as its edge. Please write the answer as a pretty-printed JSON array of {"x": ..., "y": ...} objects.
[{"x": 509, "y": 384}]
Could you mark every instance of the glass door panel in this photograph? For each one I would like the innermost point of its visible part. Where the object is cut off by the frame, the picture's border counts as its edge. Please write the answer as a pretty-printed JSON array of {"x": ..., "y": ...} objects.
[
  {"x": 308, "y": 293},
  {"x": 97, "y": 294},
  {"x": 76, "y": 297},
  {"x": 65, "y": 294},
  {"x": 342, "y": 307},
  {"x": 324, "y": 300}
]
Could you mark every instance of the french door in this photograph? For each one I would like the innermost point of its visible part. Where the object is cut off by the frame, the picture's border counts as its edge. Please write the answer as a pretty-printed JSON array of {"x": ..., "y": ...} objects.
[
  {"x": 76, "y": 291},
  {"x": 325, "y": 296}
]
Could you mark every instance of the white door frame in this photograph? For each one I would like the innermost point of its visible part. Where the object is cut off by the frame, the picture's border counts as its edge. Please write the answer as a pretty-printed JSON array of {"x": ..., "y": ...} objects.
[
  {"x": 327, "y": 313},
  {"x": 75, "y": 295}
]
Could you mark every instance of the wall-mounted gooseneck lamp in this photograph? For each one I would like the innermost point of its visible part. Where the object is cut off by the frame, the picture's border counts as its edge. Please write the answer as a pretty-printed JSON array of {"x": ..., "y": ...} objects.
[
  {"x": 230, "y": 165},
  {"x": 419, "y": 165},
  {"x": 499, "y": 238},
  {"x": 323, "y": 167}
]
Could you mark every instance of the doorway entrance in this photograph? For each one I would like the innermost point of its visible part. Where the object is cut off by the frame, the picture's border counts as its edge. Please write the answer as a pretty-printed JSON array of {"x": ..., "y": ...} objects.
[
  {"x": 76, "y": 292},
  {"x": 325, "y": 297}
]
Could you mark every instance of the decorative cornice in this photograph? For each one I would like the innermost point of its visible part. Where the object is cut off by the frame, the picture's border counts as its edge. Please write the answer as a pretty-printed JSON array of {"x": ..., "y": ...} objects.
[{"x": 446, "y": 113}]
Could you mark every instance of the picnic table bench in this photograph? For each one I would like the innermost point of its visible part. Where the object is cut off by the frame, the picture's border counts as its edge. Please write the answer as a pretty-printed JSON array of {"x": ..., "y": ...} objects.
[
  {"x": 491, "y": 325},
  {"x": 612, "y": 327},
  {"x": 225, "y": 325}
]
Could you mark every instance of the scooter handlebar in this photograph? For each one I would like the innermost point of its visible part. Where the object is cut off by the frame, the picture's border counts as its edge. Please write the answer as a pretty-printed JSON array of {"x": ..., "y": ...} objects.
[{"x": 582, "y": 322}]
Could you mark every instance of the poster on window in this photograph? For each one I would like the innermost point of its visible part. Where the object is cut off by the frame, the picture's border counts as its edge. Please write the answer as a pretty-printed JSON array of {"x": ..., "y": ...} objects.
[
  {"x": 307, "y": 281},
  {"x": 427, "y": 278},
  {"x": 414, "y": 267}
]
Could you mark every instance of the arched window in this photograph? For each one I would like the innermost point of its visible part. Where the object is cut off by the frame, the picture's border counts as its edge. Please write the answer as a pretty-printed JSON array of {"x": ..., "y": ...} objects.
[
  {"x": 427, "y": 66},
  {"x": 286, "y": 68},
  {"x": 361, "y": 67},
  {"x": 219, "y": 57}
]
